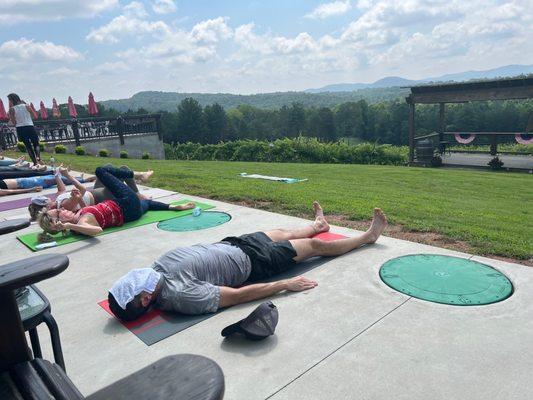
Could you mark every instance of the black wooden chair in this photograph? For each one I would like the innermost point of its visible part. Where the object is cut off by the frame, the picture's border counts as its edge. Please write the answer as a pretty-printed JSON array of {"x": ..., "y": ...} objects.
[{"x": 184, "y": 376}]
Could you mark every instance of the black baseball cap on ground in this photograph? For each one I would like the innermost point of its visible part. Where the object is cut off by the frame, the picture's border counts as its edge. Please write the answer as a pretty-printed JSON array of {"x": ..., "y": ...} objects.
[{"x": 260, "y": 324}]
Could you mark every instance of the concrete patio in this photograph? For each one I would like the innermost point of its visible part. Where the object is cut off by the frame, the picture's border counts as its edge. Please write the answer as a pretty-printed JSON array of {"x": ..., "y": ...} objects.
[{"x": 352, "y": 337}]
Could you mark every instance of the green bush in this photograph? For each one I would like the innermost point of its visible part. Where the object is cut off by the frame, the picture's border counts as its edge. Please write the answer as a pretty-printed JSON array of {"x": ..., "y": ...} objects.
[
  {"x": 21, "y": 147},
  {"x": 145, "y": 156},
  {"x": 41, "y": 146},
  {"x": 103, "y": 153},
  {"x": 123, "y": 154},
  {"x": 60, "y": 149},
  {"x": 79, "y": 150},
  {"x": 302, "y": 149}
]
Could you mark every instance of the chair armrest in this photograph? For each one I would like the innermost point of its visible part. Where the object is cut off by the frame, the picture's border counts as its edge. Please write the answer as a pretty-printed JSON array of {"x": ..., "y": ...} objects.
[
  {"x": 31, "y": 270},
  {"x": 182, "y": 377}
]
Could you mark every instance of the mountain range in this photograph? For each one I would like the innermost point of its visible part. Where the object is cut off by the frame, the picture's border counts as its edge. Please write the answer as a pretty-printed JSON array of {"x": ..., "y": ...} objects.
[
  {"x": 386, "y": 89},
  {"x": 395, "y": 81}
]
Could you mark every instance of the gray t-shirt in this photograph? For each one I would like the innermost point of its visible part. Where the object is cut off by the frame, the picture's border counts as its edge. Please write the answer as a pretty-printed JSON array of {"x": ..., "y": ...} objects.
[{"x": 191, "y": 276}]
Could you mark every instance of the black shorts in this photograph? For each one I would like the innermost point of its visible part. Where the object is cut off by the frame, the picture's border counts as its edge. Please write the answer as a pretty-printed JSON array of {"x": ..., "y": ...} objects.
[
  {"x": 268, "y": 258},
  {"x": 3, "y": 185}
]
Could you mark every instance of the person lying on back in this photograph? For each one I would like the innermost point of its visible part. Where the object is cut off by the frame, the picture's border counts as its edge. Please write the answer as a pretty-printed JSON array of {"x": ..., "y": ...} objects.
[{"x": 203, "y": 278}]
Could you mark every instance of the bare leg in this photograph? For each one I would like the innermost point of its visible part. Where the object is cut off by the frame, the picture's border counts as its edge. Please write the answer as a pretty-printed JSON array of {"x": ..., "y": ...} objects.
[
  {"x": 320, "y": 225},
  {"x": 307, "y": 248}
]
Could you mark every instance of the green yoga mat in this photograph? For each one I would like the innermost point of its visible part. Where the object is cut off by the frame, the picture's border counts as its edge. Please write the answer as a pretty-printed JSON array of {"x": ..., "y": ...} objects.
[
  {"x": 205, "y": 220},
  {"x": 30, "y": 239}
]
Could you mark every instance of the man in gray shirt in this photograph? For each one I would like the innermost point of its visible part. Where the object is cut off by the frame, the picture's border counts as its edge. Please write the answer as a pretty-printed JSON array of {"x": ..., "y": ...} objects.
[{"x": 203, "y": 278}]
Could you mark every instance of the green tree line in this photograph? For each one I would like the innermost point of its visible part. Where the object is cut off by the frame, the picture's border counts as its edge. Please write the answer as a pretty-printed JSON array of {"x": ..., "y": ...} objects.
[{"x": 355, "y": 121}]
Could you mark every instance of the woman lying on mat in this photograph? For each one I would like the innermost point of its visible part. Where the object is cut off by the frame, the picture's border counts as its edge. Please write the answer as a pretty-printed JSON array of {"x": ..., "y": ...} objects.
[
  {"x": 81, "y": 196},
  {"x": 92, "y": 220},
  {"x": 34, "y": 183},
  {"x": 11, "y": 161}
]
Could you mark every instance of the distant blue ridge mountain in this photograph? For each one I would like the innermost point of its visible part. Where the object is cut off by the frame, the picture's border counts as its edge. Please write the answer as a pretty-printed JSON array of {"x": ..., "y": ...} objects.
[{"x": 394, "y": 81}]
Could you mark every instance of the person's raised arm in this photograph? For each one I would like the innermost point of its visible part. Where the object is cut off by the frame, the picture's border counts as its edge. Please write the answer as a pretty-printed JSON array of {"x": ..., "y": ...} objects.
[
  {"x": 66, "y": 173},
  {"x": 59, "y": 183},
  {"x": 232, "y": 296}
]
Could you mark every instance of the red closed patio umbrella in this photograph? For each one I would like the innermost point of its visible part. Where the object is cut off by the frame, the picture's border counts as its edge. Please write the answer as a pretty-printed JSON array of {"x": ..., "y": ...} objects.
[
  {"x": 93, "y": 108},
  {"x": 33, "y": 111},
  {"x": 71, "y": 108},
  {"x": 3, "y": 114},
  {"x": 55, "y": 109},
  {"x": 44, "y": 113}
]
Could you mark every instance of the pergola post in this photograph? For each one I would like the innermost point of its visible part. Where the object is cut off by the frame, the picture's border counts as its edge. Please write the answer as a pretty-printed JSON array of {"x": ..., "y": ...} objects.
[
  {"x": 442, "y": 126},
  {"x": 411, "y": 130}
]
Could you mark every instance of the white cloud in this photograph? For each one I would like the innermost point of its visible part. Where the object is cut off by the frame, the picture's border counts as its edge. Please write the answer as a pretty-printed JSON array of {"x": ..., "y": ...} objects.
[
  {"x": 16, "y": 11},
  {"x": 135, "y": 9},
  {"x": 211, "y": 31},
  {"x": 124, "y": 25},
  {"x": 164, "y": 6},
  {"x": 26, "y": 50},
  {"x": 327, "y": 10}
]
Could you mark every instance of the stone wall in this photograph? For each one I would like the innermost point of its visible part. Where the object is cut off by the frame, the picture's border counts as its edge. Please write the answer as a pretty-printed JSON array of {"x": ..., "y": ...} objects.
[{"x": 135, "y": 145}]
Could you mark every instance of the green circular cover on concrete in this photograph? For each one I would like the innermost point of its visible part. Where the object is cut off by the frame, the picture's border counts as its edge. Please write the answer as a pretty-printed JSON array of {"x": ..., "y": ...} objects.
[
  {"x": 446, "y": 280},
  {"x": 207, "y": 219}
]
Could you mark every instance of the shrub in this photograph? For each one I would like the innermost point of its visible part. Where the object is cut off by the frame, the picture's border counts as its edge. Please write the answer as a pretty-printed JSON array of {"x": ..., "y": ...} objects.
[
  {"x": 41, "y": 146},
  {"x": 145, "y": 156},
  {"x": 123, "y": 154},
  {"x": 60, "y": 149},
  {"x": 79, "y": 150},
  {"x": 495, "y": 164},
  {"x": 103, "y": 153},
  {"x": 302, "y": 149},
  {"x": 21, "y": 147}
]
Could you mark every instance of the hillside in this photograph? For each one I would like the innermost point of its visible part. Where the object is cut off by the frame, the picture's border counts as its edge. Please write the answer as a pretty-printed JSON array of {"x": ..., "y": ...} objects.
[{"x": 168, "y": 101}]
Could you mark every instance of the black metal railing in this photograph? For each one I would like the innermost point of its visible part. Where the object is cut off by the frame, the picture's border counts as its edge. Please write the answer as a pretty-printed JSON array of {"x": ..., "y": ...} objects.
[{"x": 84, "y": 129}]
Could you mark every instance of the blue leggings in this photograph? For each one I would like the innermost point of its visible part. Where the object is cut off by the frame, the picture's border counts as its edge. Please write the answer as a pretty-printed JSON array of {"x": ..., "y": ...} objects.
[
  {"x": 132, "y": 207},
  {"x": 46, "y": 181}
]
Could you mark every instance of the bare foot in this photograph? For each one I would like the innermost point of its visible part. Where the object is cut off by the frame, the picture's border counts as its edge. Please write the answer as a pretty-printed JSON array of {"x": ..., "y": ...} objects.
[
  {"x": 179, "y": 207},
  {"x": 144, "y": 176},
  {"x": 37, "y": 188},
  {"x": 320, "y": 224},
  {"x": 20, "y": 159},
  {"x": 379, "y": 223}
]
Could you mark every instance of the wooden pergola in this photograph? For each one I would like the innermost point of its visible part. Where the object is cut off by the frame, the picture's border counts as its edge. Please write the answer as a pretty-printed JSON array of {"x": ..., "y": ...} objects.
[{"x": 500, "y": 89}]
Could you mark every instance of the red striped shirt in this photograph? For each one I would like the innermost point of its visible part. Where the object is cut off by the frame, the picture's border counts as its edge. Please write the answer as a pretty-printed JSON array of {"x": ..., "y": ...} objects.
[{"x": 107, "y": 213}]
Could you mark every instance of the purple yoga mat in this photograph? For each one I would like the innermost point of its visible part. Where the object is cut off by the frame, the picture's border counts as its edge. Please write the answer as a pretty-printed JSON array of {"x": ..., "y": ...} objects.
[{"x": 21, "y": 203}]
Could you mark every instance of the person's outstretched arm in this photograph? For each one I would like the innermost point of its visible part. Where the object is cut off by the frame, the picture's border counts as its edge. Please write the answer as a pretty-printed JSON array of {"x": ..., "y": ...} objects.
[
  {"x": 232, "y": 296},
  {"x": 6, "y": 192},
  {"x": 59, "y": 183}
]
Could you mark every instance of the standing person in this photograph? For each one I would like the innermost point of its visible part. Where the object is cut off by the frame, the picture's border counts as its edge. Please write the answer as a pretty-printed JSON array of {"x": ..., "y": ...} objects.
[{"x": 20, "y": 116}]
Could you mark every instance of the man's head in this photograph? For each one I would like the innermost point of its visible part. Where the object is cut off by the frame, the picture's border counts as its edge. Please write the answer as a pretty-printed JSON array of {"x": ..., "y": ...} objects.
[
  {"x": 131, "y": 296},
  {"x": 134, "y": 309}
]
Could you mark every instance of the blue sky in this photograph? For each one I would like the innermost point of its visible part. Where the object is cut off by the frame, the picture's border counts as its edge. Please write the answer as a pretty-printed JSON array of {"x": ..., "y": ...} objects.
[{"x": 115, "y": 48}]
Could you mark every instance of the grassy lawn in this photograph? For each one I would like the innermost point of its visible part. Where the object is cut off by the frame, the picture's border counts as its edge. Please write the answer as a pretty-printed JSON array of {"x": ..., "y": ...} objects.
[{"x": 489, "y": 211}]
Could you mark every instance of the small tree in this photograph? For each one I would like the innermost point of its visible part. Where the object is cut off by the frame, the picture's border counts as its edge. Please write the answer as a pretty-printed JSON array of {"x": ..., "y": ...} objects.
[
  {"x": 146, "y": 156},
  {"x": 103, "y": 153},
  {"x": 79, "y": 150},
  {"x": 123, "y": 154}
]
